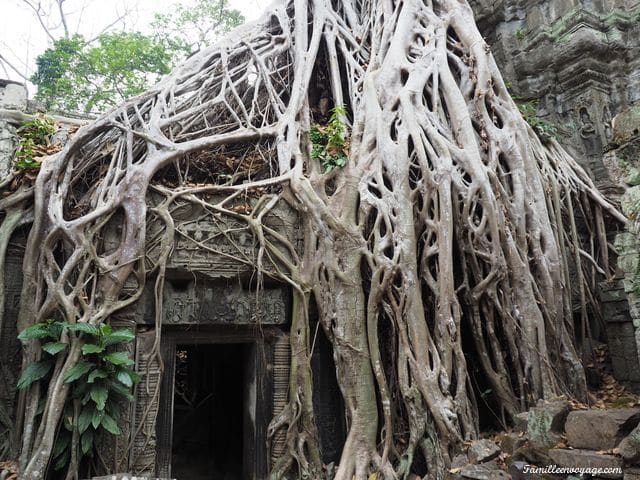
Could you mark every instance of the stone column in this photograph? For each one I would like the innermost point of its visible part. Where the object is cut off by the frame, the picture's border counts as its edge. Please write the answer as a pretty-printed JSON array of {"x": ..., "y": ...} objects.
[{"x": 13, "y": 97}]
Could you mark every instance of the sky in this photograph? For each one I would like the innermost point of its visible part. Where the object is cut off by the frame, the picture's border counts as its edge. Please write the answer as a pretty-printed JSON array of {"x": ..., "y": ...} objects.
[{"x": 22, "y": 38}]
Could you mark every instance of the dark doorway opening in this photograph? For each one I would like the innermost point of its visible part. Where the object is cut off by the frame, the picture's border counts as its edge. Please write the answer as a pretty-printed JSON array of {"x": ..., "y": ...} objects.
[{"x": 209, "y": 412}]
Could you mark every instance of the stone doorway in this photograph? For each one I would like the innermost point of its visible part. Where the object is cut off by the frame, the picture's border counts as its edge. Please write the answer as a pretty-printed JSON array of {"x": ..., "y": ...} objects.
[
  {"x": 209, "y": 408},
  {"x": 214, "y": 405}
]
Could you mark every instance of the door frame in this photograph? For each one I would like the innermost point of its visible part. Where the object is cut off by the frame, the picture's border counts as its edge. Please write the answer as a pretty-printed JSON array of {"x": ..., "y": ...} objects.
[{"x": 259, "y": 358}]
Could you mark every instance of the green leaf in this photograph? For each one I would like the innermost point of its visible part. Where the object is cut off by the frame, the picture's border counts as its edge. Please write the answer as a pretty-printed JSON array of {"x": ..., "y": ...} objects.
[
  {"x": 84, "y": 328},
  {"x": 99, "y": 394},
  {"x": 88, "y": 348},
  {"x": 112, "y": 408},
  {"x": 63, "y": 460},
  {"x": 41, "y": 404},
  {"x": 77, "y": 371},
  {"x": 62, "y": 442},
  {"x": 96, "y": 419},
  {"x": 105, "y": 329},
  {"x": 84, "y": 420},
  {"x": 86, "y": 441},
  {"x": 124, "y": 391},
  {"x": 119, "y": 358},
  {"x": 54, "y": 347},
  {"x": 110, "y": 425},
  {"x": 119, "y": 336},
  {"x": 34, "y": 372},
  {"x": 39, "y": 330},
  {"x": 97, "y": 373},
  {"x": 126, "y": 377}
]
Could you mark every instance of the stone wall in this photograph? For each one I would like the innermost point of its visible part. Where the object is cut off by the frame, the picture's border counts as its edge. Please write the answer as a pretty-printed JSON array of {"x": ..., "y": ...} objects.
[
  {"x": 623, "y": 163},
  {"x": 13, "y": 101},
  {"x": 577, "y": 58}
]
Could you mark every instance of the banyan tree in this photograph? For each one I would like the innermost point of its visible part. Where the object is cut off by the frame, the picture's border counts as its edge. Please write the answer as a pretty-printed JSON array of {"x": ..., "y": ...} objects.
[{"x": 440, "y": 234}]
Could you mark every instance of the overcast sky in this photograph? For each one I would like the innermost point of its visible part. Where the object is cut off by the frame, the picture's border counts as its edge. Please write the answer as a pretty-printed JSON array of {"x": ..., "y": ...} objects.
[{"x": 22, "y": 38}]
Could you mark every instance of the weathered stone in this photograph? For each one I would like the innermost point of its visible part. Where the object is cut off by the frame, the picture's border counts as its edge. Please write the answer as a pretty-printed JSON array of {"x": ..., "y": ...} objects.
[
  {"x": 520, "y": 421},
  {"x": 631, "y": 474},
  {"x": 510, "y": 442},
  {"x": 485, "y": 471},
  {"x": 600, "y": 429},
  {"x": 626, "y": 124},
  {"x": 516, "y": 470},
  {"x": 459, "y": 461},
  {"x": 482, "y": 451},
  {"x": 546, "y": 423},
  {"x": 13, "y": 95},
  {"x": 630, "y": 446},
  {"x": 580, "y": 458}
]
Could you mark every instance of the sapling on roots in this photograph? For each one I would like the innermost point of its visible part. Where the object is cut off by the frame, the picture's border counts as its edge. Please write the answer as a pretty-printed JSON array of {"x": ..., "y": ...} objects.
[{"x": 441, "y": 240}]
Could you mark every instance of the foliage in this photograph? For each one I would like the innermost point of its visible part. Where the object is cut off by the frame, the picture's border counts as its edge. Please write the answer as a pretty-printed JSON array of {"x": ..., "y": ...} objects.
[
  {"x": 330, "y": 143},
  {"x": 520, "y": 33},
  {"x": 529, "y": 111},
  {"x": 33, "y": 135},
  {"x": 75, "y": 75},
  {"x": 97, "y": 380},
  {"x": 187, "y": 29},
  {"x": 80, "y": 75}
]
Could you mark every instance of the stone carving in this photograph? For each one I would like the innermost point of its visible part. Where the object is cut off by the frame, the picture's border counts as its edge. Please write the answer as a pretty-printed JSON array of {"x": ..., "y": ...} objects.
[
  {"x": 281, "y": 368},
  {"x": 143, "y": 454},
  {"x": 587, "y": 128},
  {"x": 222, "y": 303},
  {"x": 606, "y": 123}
]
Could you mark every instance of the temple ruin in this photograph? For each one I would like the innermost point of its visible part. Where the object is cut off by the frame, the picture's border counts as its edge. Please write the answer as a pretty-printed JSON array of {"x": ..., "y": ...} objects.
[{"x": 225, "y": 353}]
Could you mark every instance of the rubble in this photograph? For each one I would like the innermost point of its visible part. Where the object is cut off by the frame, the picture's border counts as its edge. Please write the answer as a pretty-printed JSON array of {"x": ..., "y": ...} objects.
[
  {"x": 546, "y": 422},
  {"x": 600, "y": 429},
  {"x": 482, "y": 451}
]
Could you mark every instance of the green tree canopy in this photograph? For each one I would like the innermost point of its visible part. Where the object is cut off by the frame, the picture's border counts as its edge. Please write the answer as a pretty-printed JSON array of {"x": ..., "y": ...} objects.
[
  {"x": 80, "y": 75},
  {"x": 76, "y": 75},
  {"x": 189, "y": 28}
]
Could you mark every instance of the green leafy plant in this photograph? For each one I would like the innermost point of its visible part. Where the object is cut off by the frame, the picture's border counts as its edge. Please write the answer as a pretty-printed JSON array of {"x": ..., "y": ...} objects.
[
  {"x": 529, "y": 111},
  {"x": 76, "y": 75},
  {"x": 520, "y": 33},
  {"x": 98, "y": 381},
  {"x": 330, "y": 142},
  {"x": 34, "y": 135}
]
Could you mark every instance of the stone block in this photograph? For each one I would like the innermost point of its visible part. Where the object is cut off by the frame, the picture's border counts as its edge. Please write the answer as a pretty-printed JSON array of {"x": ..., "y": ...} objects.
[
  {"x": 545, "y": 423},
  {"x": 485, "y": 471},
  {"x": 579, "y": 458},
  {"x": 631, "y": 474},
  {"x": 520, "y": 421},
  {"x": 630, "y": 446},
  {"x": 13, "y": 95},
  {"x": 600, "y": 429},
  {"x": 510, "y": 442},
  {"x": 482, "y": 451},
  {"x": 626, "y": 124}
]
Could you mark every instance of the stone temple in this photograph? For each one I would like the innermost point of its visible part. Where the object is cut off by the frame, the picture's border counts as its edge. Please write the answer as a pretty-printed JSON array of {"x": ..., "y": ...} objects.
[{"x": 224, "y": 350}]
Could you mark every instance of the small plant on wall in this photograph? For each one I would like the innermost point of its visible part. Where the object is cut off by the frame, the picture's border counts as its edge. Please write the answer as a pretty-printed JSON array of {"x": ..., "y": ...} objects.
[
  {"x": 330, "y": 142},
  {"x": 34, "y": 141},
  {"x": 99, "y": 381}
]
